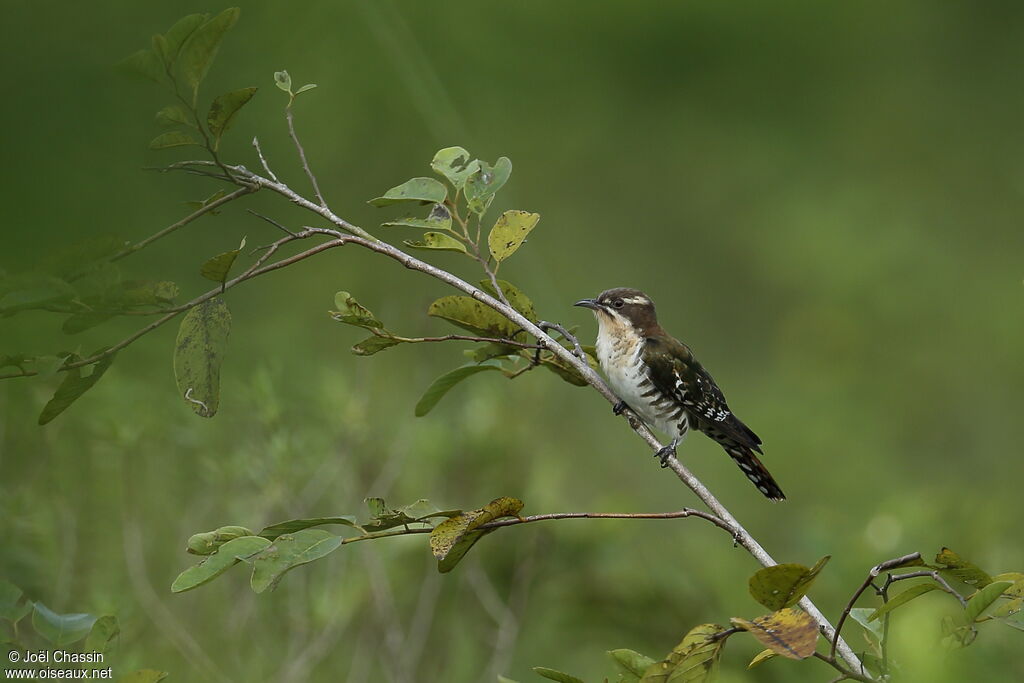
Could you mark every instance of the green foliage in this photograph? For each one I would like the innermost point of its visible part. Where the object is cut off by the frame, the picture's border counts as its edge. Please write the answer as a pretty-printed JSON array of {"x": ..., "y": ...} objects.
[
  {"x": 439, "y": 218},
  {"x": 784, "y": 584},
  {"x": 224, "y": 110},
  {"x": 451, "y": 539},
  {"x": 414, "y": 190},
  {"x": 509, "y": 233},
  {"x": 218, "y": 267},
  {"x": 484, "y": 182},
  {"x": 173, "y": 138},
  {"x": 208, "y": 542},
  {"x": 473, "y": 316},
  {"x": 351, "y": 312},
  {"x": 200, "y": 47},
  {"x": 553, "y": 675},
  {"x": 295, "y": 525},
  {"x": 437, "y": 240},
  {"x": 289, "y": 551},
  {"x": 75, "y": 383},
  {"x": 13, "y": 605},
  {"x": 443, "y": 384},
  {"x": 60, "y": 630},
  {"x": 951, "y": 565},
  {"x": 102, "y": 635},
  {"x": 455, "y": 164},
  {"x": 199, "y": 353},
  {"x": 226, "y": 556},
  {"x": 902, "y": 599},
  {"x": 694, "y": 660}
]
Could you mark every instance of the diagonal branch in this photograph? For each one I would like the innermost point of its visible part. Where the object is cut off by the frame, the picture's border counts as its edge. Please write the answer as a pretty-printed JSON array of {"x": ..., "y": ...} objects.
[
  {"x": 359, "y": 236},
  {"x": 302, "y": 156}
]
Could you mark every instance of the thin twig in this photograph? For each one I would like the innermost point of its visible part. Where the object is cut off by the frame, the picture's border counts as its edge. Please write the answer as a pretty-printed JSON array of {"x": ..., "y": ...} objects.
[
  {"x": 872, "y": 575},
  {"x": 569, "y": 337},
  {"x": 128, "y": 251},
  {"x": 263, "y": 160},
  {"x": 271, "y": 221},
  {"x": 844, "y": 673},
  {"x": 302, "y": 156},
  {"x": 943, "y": 584},
  {"x": 462, "y": 337}
]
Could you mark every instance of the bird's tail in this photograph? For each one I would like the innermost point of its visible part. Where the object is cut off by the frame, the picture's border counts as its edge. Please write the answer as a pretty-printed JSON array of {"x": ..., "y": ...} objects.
[{"x": 755, "y": 471}]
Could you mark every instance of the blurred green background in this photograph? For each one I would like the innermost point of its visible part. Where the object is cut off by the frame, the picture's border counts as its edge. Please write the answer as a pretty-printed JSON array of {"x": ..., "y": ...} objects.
[{"x": 823, "y": 199}]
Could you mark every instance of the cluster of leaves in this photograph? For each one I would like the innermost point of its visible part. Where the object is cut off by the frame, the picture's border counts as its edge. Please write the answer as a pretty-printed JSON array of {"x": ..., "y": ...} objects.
[
  {"x": 791, "y": 633},
  {"x": 281, "y": 547},
  {"x": 453, "y": 222},
  {"x": 82, "y": 282},
  {"x": 180, "y": 60},
  {"x": 91, "y": 633}
]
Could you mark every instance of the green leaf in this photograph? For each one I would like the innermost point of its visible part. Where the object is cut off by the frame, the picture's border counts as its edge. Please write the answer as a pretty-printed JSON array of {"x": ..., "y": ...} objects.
[
  {"x": 12, "y": 605},
  {"x": 292, "y": 526},
  {"x": 783, "y": 584},
  {"x": 80, "y": 322},
  {"x": 207, "y": 542},
  {"x": 902, "y": 599},
  {"x": 504, "y": 679},
  {"x": 374, "y": 344},
  {"x": 693, "y": 660},
  {"x": 17, "y": 360},
  {"x": 955, "y": 566},
  {"x": 224, "y": 109},
  {"x": 515, "y": 297},
  {"x": 218, "y": 267},
  {"x": 181, "y": 31},
  {"x": 283, "y": 81},
  {"x": 172, "y": 138},
  {"x": 489, "y": 351},
  {"x": 144, "y": 63},
  {"x": 786, "y": 632},
  {"x": 173, "y": 115},
  {"x": 33, "y": 290},
  {"x": 289, "y": 551},
  {"x": 199, "y": 353},
  {"x": 414, "y": 190},
  {"x": 509, "y": 233},
  {"x": 382, "y": 517},
  {"x": 143, "y": 676},
  {"x": 102, "y": 634},
  {"x": 484, "y": 182},
  {"x": 72, "y": 387},
  {"x": 351, "y": 312},
  {"x": 564, "y": 370},
  {"x": 308, "y": 86},
  {"x": 455, "y": 164},
  {"x": 762, "y": 657},
  {"x": 213, "y": 566},
  {"x": 553, "y": 675},
  {"x": 199, "y": 51},
  {"x": 630, "y": 661},
  {"x": 1008, "y": 608},
  {"x": 451, "y": 539},
  {"x": 862, "y": 615},
  {"x": 439, "y": 218},
  {"x": 475, "y": 316},
  {"x": 982, "y": 599},
  {"x": 437, "y": 240},
  {"x": 60, "y": 629},
  {"x": 443, "y": 384},
  {"x": 161, "y": 48}
]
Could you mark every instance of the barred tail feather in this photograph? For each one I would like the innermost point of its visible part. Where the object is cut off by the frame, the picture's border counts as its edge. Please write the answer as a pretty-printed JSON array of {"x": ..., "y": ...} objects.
[{"x": 755, "y": 471}]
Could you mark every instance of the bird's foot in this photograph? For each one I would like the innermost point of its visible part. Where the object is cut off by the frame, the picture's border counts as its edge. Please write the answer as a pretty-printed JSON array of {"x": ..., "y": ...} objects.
[
  {"x": 619, "y": 408},
  {"x": 666, "y": 452}
]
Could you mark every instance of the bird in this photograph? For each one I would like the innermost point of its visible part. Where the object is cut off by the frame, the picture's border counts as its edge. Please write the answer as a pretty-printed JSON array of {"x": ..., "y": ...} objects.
[{"x": 657, "y": 376}]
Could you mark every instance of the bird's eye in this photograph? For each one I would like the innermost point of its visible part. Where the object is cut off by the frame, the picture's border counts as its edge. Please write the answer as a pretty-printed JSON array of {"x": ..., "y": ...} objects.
[{"x": 618, "y": 303}]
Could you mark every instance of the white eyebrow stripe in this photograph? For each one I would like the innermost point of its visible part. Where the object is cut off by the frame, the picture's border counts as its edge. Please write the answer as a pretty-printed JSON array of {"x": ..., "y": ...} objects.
[{"x": 637, "y": 300}]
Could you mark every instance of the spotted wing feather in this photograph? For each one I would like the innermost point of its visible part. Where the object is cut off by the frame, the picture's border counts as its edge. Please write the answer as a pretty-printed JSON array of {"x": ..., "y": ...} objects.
[{"x": 674, "y": 371}]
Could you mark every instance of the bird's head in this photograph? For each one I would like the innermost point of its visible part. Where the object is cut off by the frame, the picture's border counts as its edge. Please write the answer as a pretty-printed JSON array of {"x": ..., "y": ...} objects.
[{"x": 621, "y": 306}]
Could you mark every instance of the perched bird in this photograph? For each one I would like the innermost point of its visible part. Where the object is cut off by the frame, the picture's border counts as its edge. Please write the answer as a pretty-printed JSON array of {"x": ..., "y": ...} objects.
[{"x": 657, "y": 376}]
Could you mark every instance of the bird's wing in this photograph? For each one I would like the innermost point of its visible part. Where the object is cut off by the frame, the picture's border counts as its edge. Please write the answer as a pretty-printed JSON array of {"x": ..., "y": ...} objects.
[{"x": 674, "y": 371}]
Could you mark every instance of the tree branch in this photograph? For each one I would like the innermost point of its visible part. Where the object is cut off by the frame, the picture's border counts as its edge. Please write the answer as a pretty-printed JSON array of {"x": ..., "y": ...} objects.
[
  {"x": 359, "y": 236},
  {"x": 302, "y": 156}
]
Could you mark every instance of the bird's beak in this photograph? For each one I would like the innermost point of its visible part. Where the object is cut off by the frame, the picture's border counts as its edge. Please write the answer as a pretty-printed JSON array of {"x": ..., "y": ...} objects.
[{"x": 588, "y": 303}]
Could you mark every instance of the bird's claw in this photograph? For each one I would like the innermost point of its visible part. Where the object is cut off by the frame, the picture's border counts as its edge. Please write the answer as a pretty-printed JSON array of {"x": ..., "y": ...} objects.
[
  {"x": 665, "y": 453},
  {"x": 619, "y": 408}
]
